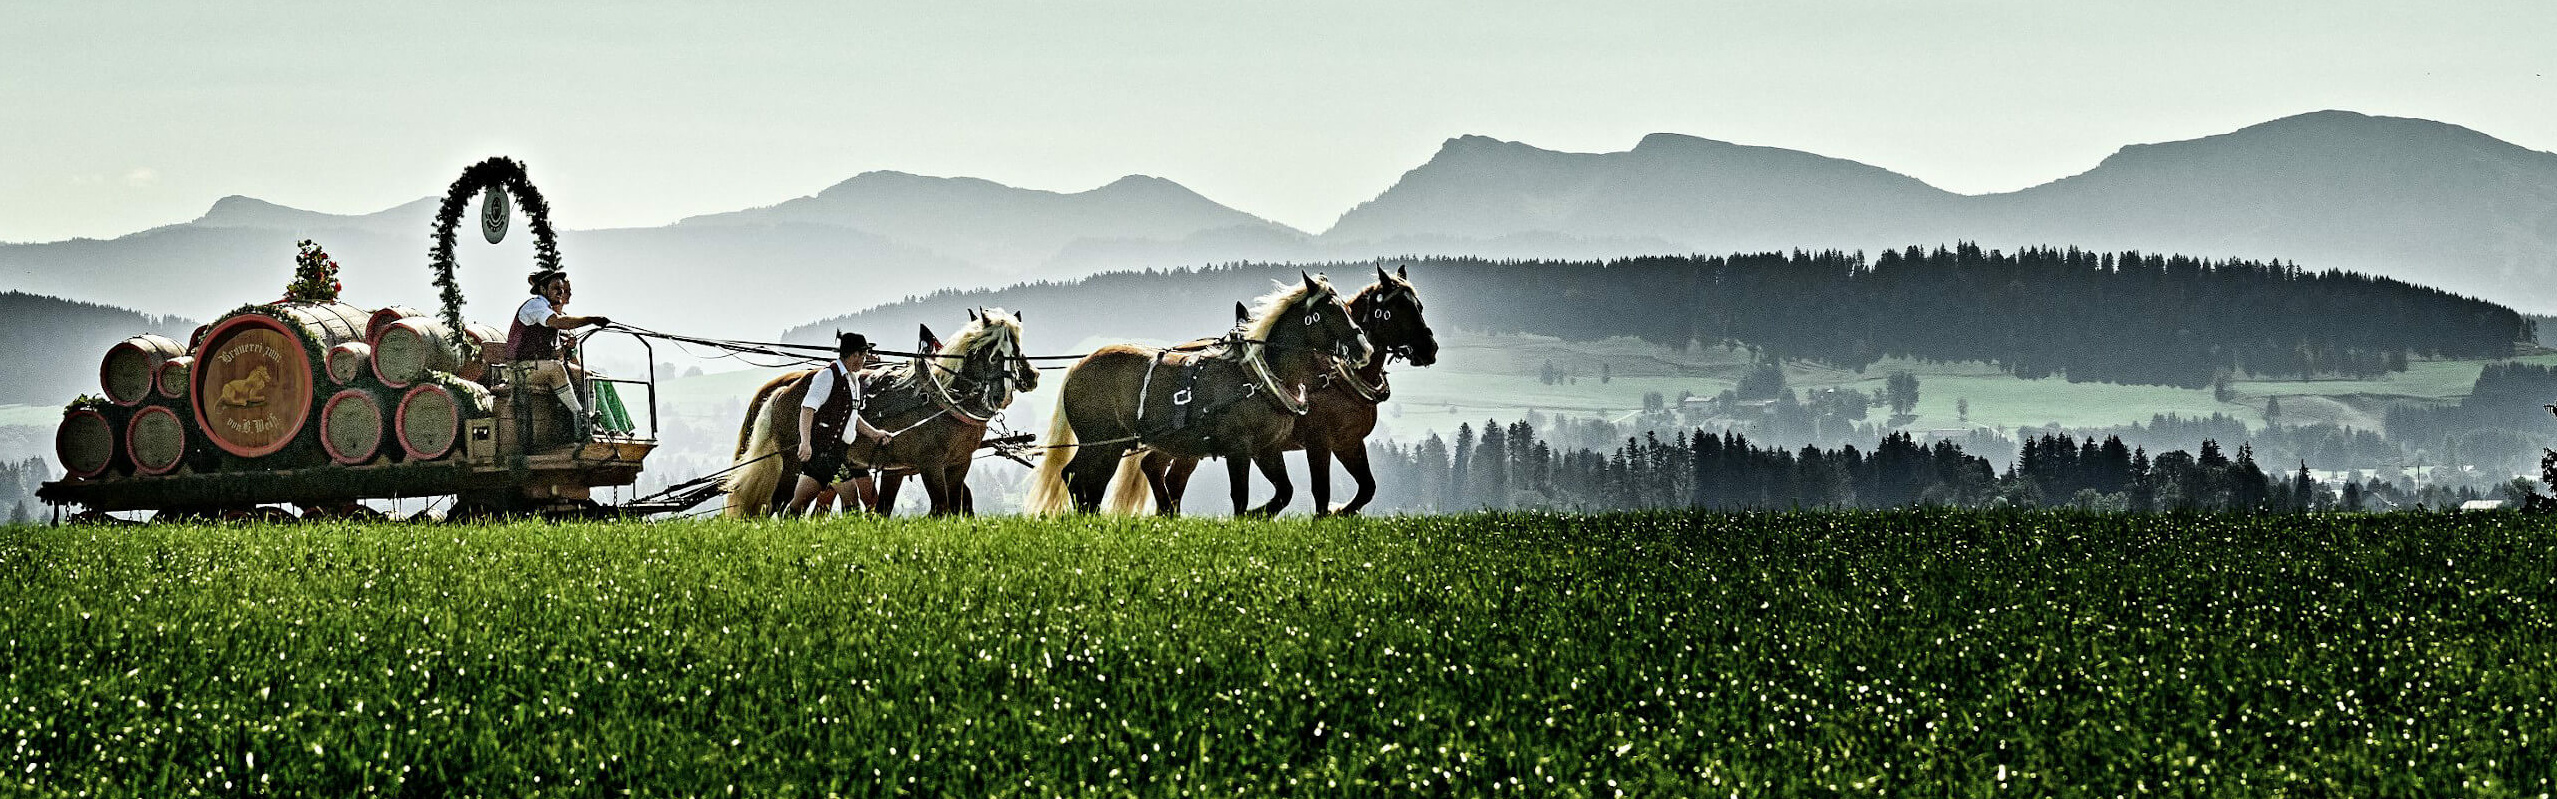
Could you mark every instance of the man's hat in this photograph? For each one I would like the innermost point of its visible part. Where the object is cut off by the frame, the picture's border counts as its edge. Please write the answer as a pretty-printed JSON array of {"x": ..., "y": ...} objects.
[
  {"x": 849, "y": 343},
  {"x": 543, "y": 278}
]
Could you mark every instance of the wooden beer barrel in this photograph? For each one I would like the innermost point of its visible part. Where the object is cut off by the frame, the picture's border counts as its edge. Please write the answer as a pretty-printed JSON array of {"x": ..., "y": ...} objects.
[
  {"x": 132, "y": 366},
  {"x": 410, "y": 348},
  {"x": 252, "y": 380},
  {"x": 384, "y": 317},
  {"x": 430, "y": 415},
  {"x": 155, "y": 440},
  {"x": 351, "y": 426},
  {"x": 491, "y": 350},
  {"x": 85, "y": 443},
  {"x": 349, "y": 361},
  {"x": 172, "y": 378}
]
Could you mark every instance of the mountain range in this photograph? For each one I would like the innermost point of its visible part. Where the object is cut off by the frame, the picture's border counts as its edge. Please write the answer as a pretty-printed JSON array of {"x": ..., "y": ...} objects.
[{"x": 2413, "y": 199}]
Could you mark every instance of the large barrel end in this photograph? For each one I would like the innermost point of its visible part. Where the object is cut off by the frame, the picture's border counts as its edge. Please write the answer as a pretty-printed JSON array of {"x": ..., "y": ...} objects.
[
  {"x": 351, "y": 426},
  {"x": 85, "y": 443},
  {"x": 155, "y": 440}
]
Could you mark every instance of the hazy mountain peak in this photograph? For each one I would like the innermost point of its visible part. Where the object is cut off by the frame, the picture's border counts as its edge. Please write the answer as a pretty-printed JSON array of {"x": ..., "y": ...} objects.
[
  {"x": 1142, "y": 183},
  {"x": 2330, "y": 134},
  {"x": 1479, "y": 145},
  {"x": 243, "y": 211},
  {"x": 1676, "y": 142},
  {"x": 238, "y": 211},
  {"x": 887, "y": 180}
]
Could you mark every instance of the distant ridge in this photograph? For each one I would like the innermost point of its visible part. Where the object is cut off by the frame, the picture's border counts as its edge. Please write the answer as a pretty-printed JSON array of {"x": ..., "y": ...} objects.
[
  {"x": 2411, "y": 199},
  {"x": 1711, "y": 194},
  {"x": 1006, "y": 229}
]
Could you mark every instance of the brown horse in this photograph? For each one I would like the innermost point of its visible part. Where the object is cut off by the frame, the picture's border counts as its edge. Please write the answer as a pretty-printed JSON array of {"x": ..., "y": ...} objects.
[
  {"x": 936, "y": 407},
  {"x": 1238, "y": 400},
  {"x": 1343, "y": 406}
]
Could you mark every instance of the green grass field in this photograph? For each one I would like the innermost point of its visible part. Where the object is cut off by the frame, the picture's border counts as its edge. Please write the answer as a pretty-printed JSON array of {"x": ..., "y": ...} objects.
[{"x": 1651, "y": 655}]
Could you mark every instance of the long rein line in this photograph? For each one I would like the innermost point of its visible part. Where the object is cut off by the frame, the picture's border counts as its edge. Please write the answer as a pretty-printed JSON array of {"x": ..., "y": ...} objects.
[{"x": 779, "y": 349}]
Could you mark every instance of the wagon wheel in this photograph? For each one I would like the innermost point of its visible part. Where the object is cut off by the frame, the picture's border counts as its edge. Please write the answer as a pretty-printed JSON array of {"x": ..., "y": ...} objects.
[
  {"x": 190, "y": 515},
  {"x": 344, "y": 510},
  {"x": 488, "y": 505},
  {"x": 97, "y": 517},
  {"x": 580, "y": 510},
  {"x": 260, "y": 514}
]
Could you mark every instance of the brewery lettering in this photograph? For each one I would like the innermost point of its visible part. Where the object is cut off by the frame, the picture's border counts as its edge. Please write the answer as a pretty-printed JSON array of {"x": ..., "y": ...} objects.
[{"x": 235, "y": 351}]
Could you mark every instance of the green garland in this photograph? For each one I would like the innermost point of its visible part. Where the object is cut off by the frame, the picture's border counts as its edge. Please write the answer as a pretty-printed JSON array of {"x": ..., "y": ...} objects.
[{"x": 502, "y": 173}]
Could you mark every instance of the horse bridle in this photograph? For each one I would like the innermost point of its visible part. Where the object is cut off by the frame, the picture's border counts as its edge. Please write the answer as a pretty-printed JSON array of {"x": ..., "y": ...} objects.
[
  {"x": 1006, "y": 380},
  {"x": 1377, "y": 312}
]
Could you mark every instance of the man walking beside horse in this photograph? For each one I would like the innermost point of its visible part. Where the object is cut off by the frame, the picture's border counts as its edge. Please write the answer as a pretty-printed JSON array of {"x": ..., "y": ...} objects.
[{"x": 831, "y": 414}]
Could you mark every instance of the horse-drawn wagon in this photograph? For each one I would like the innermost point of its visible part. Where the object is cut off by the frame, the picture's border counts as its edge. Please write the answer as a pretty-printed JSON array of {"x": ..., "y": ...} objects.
[{"x": 320, "y": 404}]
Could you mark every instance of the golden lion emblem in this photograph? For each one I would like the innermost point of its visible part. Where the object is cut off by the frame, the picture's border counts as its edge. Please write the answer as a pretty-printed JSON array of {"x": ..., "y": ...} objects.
[{"x": 247, "y": 392}]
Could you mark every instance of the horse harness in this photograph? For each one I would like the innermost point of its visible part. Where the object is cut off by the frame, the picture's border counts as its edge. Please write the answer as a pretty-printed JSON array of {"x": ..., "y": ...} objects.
[
  {"x": 1343, "y": 375},
  {"x": 1186, "y": 410}
]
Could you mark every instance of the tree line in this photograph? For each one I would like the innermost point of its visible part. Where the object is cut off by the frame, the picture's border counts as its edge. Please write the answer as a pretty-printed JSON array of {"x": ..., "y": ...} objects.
[
  {"x": 52, "y": 348},
  {"x": 18, "y": 484},
  {"x": 2136, "y": 318},
  {"x": 1511, "y": 467},
  {"x": 2131, "y": 317}
]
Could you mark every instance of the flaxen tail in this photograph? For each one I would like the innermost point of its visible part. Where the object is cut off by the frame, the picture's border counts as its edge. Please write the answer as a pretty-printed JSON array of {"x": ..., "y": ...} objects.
[
  {"x": 754, "y": 410},
  {"x": 750, "y": 487},
  {"x": 1048, "y": 495},
  {"x": 1130, "y": 494}
]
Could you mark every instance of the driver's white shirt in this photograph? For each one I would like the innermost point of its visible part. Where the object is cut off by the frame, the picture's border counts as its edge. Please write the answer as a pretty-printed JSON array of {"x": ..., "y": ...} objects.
[
  {"x": 822, "y": 385},
  {"x": 536, "y": 312}
]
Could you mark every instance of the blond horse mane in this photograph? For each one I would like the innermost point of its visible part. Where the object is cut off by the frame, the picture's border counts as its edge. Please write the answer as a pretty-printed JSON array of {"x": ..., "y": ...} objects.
[
  {"x": 995, "y": 327},
  {"x": 1268, "y": 309}
]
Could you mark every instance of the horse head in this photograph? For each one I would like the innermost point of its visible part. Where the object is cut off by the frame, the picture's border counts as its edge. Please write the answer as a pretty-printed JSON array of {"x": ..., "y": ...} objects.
[
  {"x": 984, "y": 360},
  {"x": 1390, "y": 312},
  {"x": 1010, "y": 355},
  {"x": 1311, "y": 316}
]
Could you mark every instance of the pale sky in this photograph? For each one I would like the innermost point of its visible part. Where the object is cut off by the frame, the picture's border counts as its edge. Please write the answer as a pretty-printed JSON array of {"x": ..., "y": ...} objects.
[{"x": 119, "y": 116}]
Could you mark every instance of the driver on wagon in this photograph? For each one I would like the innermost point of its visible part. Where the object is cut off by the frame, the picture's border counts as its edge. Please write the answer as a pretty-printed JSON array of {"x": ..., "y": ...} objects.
[{"x": 532, "y": 342}]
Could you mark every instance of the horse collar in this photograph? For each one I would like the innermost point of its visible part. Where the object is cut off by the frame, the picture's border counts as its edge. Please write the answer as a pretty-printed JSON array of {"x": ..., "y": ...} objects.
[
  {"x": 1267, "y": 381},
  {"x": 1372, "y": 394},
  {"x": 931, "y": 387}
]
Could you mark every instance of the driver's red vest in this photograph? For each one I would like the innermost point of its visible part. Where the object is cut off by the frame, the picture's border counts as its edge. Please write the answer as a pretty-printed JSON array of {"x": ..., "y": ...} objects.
[{"x": 530, "y": 342}]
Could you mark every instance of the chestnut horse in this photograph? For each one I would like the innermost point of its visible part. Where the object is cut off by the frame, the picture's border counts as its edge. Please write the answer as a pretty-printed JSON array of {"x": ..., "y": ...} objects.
[
  {"x": 936, "y": 406},
  {"x": 1343, "y": 406},
  {"x": 1238, "y": 400}
]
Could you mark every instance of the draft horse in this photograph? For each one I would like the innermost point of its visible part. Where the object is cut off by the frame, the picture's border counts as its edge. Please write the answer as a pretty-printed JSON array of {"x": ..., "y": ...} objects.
[
  {"x": 1342, "y": 410},
  {"x": 936, "y": 405},
  {"x": 1238, "y": 399}
]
